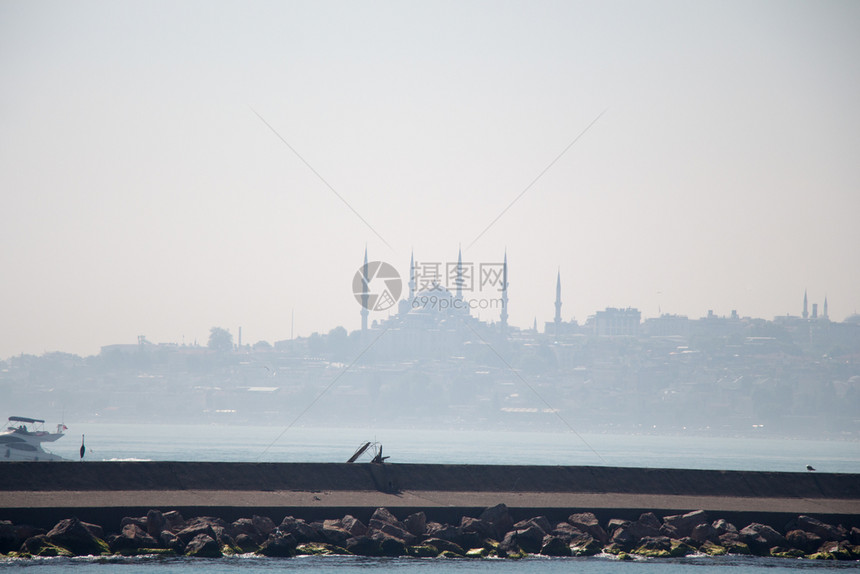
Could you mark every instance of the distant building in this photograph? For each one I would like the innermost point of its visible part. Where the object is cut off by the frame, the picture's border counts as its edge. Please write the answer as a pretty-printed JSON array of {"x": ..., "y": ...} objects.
[{"x": 613, "y": 322}]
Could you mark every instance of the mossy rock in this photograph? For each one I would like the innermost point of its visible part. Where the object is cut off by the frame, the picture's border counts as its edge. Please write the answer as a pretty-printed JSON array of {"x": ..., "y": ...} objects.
[
  {"x": 822, "y": 556},
  {"x": 320, "y": 549},
  {"x": 516, "y": 554},
  {"x": 782, "y": 552},
  {"x": 712, "y": 549},
  {"x": 624, "y": 556},
  {"x": 650, "y": 552},
  {"x": 450, "y": 554},
  {"x": 231, "y": 550},
  {"x": 738, "y": 548},
  {"x": 589, "y": 548},
  {"x": 680, "y": 549},
  {"x": 478, "y": 552},
  {"x": 166, "y": 552},
  {"x": 52, "y": 550},
  {"x": 105, "y": 548},
  {"x": 423, "y": 551}
]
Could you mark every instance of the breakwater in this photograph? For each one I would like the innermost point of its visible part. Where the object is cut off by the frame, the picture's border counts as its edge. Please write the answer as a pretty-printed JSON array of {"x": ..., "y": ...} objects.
[
  {"x": 283, "y": 509},
  {"x": 104, "y": 492}
]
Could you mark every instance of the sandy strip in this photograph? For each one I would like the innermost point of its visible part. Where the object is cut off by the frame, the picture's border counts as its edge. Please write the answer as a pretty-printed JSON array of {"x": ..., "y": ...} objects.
[{"x": 412, "y": 499}]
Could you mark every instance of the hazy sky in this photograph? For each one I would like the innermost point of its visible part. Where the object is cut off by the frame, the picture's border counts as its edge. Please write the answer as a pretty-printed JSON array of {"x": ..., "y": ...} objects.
[{"x": 142, "y": 195}]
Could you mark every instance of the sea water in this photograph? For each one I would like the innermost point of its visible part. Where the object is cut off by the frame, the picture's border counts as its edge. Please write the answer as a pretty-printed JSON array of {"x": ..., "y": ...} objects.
[
  {"x": 224, "y": 443},
  {"x": 307, "y": 444}
]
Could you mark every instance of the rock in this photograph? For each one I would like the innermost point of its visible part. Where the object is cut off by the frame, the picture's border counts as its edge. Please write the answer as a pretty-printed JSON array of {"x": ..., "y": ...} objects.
[
  {"x": 680, "y": 548},
  {"x": 132, "y": 537},
  {"x": 802, "y": 540},
  {"x": 712, "y": 549},
  {"x": 154, "y": 523},
  {"x": 390, "y": 546},
  {"x": 387, "y": 530},
  {"x": 622, "y": 538},
  {"x": 585, "y": 545},
  {"x": 279, "y": 546},
  {"x": 423, "y": 551},
  {"x": 654, "y": 547},
  {"x": 825, "y": 531},
  {"x": 566, "y": 530},
  {"x": 839, "y": 550},
  {"x": 363, "y": 546},
  {"x": 477, "y": 552},
  {"x": 705, "y": 532},
  {"x": 587, "y": 522},
  {"x": 735, "y": 546},
  {"x": 443, "y": 531},
  {"x": 724, "y": 527},
  {"x": 509, "y": 545},
  {"x": 333, "y": 532},
  {"x": 854, "y": 536},
  {"x": 416, "y": 523},
  {"x": 500, "y": 517},
  {"x": 139, "y": 521},
  {"x": 247, "y": 543},
  {"x": 482, "y": 528},
  {"x": 539, "y": 521},
  {"x": 263, "y": 524},
  {"x": 783, "y": 552},
  {"x": 320, "y": 549},
  {"x": 72, "y": 535},
  {"x": 684, "y": 523},
  {"x": 761, "y": 538},
  {"x": 203, "y": 546},
  {"x": 353, "y": 525},
  {"x": 382, "y": 515},
  {"x": 171, "y": 541},
  {"x": 187, "y": 534},
  {"x": 648, "y": 525},
  {"x": 173, "y": 521},
  {"x": 40, "y": 546},
  {"x": 529, "y": 539},
  {"x": 198, "y": 525},
  {"x": 245, "y": 527},
  {"x": 9, "y": 540},
  {"x": 555, "y": 546},
  {"x": 470, "y": 540},
  {"x": 300, "y": 529},
  {"x": 442, "y": 545}
]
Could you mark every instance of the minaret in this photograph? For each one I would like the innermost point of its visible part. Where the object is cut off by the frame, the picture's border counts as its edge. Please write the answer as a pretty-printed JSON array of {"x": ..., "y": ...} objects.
[
  {"x": 557, "y": 319},
  {"x": 504, "y": 315},
  {"x": 411, "y": 276},
  {"x": 825, "y": 307},
  {"x": 558, "y": 298},
  {"x": 365, "y": 292},
  {"x": 805, "y": 306},
  {"x": 459, "y": 273}
]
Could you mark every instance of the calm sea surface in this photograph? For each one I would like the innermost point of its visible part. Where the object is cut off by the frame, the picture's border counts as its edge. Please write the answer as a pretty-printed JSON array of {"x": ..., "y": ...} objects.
[
  {"x": 275, "y": 444},
  {"x": 303, "y": 444}
]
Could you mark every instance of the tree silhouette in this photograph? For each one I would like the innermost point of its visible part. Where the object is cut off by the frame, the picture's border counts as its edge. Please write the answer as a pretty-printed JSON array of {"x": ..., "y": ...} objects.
[{"x": 220, "y": 340}]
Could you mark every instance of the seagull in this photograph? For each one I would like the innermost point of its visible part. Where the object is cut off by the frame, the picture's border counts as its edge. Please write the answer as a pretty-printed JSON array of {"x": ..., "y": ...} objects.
[{"x": 809, "y": 467}]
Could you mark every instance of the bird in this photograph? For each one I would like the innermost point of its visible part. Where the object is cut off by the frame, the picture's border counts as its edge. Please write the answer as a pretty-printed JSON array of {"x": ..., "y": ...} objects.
[
  {"x": 809, "y": 467},
  {"x": 83, "y": 448}
]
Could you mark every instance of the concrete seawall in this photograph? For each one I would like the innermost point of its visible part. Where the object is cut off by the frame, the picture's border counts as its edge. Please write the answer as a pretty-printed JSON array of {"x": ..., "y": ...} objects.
[{"x": 104, "y": 492}]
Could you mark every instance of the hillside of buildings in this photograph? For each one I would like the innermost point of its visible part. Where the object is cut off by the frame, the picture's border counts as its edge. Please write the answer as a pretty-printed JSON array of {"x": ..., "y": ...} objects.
[{"x": 789, "y": 377}]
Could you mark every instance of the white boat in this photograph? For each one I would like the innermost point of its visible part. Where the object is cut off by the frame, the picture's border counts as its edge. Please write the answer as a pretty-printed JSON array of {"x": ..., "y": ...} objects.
[{"x": 23, "y": 438}]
